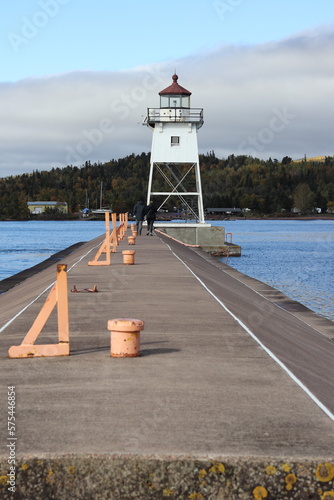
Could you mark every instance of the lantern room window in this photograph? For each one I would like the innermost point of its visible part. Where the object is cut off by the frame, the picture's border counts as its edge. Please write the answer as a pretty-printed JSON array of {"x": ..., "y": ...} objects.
[
  {"x": 185, "y": 101},
  {"x": 174, "y": 101},
  {"x": 164, "y": 101},
  {"x": 175, "y": 140}
]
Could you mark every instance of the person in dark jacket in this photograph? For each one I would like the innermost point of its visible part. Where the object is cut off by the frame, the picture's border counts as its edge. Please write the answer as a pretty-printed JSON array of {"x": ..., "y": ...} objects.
[
  {"x": 151, "y": 213},
  {"x": 139, "y": 213}
]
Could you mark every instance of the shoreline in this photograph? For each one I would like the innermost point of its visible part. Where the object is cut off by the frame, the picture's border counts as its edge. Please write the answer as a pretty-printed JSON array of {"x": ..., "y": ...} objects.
[
  {"x": 167, "y": 218},
  {"x": 327, "y": 218}
]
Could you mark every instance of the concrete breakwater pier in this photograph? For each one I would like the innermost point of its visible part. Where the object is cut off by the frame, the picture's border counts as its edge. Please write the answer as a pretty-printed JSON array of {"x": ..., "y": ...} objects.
[
  {"x": 210, "y": 238},
  {"x": 232, "y": 396}
]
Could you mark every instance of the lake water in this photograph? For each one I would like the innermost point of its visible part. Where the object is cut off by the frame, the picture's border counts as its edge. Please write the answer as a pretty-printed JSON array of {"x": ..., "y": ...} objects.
[
  {"x": 295, "y": 257},
  {"x": 24, "y": 244}
]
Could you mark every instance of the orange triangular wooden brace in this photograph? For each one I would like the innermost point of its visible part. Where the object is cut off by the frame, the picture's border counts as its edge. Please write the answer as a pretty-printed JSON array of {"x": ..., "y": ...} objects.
[
  {"x": 58, "y": 296},
  {"x": 108, "y": 245},
  {"x": 123, "y": 226}
]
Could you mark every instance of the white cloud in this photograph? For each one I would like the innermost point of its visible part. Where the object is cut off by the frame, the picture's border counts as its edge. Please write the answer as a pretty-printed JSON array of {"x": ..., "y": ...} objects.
[{"x": 268, "y": 100}]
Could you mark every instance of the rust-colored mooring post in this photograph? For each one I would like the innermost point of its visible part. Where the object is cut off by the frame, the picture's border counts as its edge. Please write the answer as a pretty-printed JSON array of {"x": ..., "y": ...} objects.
[
  {"x": 133, "y": 227},
  {"x": 131, "y": 240},
  {"x": 125, "y": 337},
  {"x": 135, "y": 234},
  {"x": 128, "y": 257}
]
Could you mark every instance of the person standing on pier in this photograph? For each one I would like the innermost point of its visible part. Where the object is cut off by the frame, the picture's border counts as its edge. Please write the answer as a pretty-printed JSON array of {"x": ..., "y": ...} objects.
[
  {"x": 151, "y": 213},
  {"x": 139, "y": 213}
]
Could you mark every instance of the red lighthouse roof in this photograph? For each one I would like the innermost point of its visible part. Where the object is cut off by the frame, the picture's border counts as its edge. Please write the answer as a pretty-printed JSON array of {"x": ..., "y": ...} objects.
[{"x": 175, "y": 88}]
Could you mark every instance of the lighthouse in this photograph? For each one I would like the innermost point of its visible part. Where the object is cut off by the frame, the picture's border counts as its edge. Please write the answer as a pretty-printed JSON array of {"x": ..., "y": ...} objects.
[{"x": 174, "y": 167}]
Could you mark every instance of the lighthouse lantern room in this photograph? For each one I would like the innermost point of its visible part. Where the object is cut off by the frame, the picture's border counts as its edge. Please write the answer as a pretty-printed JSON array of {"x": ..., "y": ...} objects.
[{"x": 174, "y": 166}]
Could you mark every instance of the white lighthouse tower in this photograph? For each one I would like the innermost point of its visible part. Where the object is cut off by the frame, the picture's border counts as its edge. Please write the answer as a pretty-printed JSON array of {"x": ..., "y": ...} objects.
[{"x": 174, "y": 168}]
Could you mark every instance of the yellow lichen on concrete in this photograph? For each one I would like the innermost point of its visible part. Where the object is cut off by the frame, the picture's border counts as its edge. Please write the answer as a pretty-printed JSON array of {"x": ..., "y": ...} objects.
[
  {"x": 217, "y": 468},
  {"x": 328, "y": 495},
  {"x": 3, "y": 480},
  {"x": 195, "y": 496},
  {"x": 325, "y": 472},
  {"x": 271, "y": 470},
  {"x": 259, "y": 493},
  {"x": 290, "y": 480},
  {"x": 202, "y": 473},
  {"x": 168, "y": 492},
  {"x": 49, "y": 478}
]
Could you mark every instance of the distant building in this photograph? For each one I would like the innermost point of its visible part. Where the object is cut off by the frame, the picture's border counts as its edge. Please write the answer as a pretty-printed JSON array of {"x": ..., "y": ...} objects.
[{"x": 39, "y": 207}]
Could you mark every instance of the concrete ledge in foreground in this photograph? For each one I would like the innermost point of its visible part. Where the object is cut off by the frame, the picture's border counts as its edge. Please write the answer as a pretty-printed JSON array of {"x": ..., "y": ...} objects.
[{"x": 125, "y": 477}]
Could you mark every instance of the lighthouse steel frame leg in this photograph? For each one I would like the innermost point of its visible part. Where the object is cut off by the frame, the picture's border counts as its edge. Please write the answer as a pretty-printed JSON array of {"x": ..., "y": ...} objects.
[
  {"x": 175, "y": 188},
  {"x": 174, "y": 192}
]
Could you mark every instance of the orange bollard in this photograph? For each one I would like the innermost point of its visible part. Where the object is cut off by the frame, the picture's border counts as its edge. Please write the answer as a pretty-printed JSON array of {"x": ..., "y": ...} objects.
[
  {"x": 135, "y": 233},
  {"x": 128, "y": 257},
  {"x": 125, "y": 337},
  {"x": 133, "y": 227},
  {"x": 131, "y": 240}
]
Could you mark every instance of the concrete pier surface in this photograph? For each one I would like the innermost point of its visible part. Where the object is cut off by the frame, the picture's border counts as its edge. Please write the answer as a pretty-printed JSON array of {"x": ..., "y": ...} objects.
[{"x": 232, "y": 396}]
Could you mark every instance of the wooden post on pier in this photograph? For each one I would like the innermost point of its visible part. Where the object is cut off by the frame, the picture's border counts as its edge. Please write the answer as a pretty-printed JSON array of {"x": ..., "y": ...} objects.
[
  {"x": 121, "y": 227},
  {"x": 104, "y": 248},
  {"x": 113, "y": 236}
]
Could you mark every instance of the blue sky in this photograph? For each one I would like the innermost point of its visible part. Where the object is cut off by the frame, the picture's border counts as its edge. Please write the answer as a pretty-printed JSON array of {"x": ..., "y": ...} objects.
[
  {"x": 67, "y": 65},
  {"x": 101, "y": 35}
]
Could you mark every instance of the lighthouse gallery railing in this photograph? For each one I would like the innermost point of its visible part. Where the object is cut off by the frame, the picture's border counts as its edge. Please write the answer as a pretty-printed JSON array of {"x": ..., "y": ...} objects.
[{"x": 186, "y": 115}]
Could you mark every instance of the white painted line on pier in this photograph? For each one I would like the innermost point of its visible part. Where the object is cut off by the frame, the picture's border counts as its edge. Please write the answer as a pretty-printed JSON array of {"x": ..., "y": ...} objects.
[
  {"x": 271, "y": 354},
  {"x": 45, "y": 290},
  {"x": 25, "y": 308}
]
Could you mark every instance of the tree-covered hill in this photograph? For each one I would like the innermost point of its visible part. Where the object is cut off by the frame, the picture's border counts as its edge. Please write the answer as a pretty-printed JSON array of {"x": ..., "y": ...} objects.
[{"x": 239, "y": 181}]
